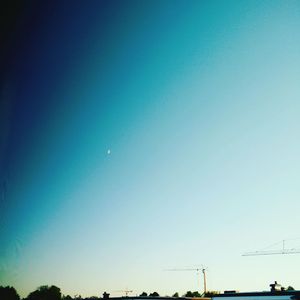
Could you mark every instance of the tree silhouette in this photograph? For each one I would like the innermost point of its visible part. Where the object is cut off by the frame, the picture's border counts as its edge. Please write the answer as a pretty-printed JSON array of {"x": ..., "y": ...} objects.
[
  {"x": 8, "y": 293},
  {"x": 188, "y": 294},
  {"x": 45, "y": 293},
  {"x": 143, "y": 294},
  {"x": 176, "y": 295},
  {"x": 192, "y": 294},
  {"x": 210, "y": 294},
  {"x": 67, "y": 297},
  {"x": 154, "y": 294}
]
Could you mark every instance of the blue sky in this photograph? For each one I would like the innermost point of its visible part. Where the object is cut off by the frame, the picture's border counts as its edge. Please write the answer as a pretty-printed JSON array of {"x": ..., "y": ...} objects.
[{"x": 198, "y": 103}]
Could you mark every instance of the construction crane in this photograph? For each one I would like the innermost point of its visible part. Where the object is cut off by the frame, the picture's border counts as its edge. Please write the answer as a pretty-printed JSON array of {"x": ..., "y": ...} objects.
[
  {"x": 125, "y": 291},
  {"x": 283, "y": 250},
  {"x": 202, "y": 269}
]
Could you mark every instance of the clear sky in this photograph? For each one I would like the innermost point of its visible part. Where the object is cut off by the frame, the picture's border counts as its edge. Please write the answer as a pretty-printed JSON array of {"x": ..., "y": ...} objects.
[{"x": 138, "y": 136}]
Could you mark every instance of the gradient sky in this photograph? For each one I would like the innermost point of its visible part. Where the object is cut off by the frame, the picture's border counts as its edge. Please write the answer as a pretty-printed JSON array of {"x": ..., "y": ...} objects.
[{"x": 198, "y": 103}]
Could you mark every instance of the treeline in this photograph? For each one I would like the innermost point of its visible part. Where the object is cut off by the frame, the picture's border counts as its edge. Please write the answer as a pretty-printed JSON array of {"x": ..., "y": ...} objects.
[{"x": 52, "y": 292}]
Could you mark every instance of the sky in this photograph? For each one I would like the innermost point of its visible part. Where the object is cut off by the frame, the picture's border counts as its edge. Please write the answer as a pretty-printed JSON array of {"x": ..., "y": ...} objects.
[{"x": 139, "y": 136}]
